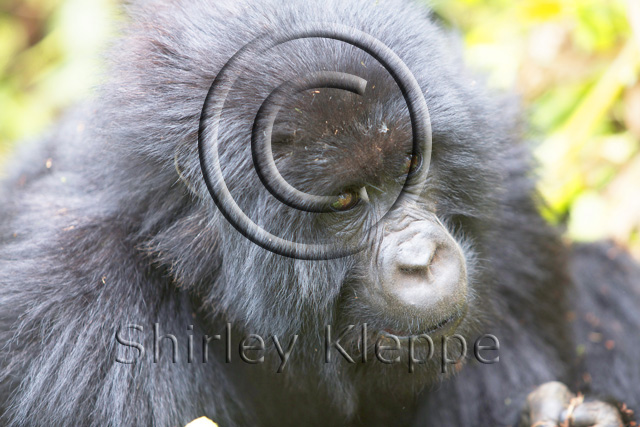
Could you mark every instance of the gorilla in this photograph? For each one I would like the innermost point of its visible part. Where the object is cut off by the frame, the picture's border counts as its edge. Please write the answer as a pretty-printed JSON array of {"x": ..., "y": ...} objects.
[{"x": 131, "y": 297}]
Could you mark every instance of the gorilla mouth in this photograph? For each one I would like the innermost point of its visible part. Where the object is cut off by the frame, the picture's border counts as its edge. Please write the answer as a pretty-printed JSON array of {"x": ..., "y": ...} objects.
[{"x": 405, "y": 335}]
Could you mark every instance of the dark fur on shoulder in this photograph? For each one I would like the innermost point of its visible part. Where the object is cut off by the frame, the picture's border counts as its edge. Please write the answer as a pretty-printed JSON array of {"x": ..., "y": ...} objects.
[{"x": 121, "y": 230}]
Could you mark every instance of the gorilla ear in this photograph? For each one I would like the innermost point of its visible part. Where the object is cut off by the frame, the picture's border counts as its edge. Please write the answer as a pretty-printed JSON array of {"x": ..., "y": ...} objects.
[
  {"x": 182, "y": 175},
  {"x": 188, "y": 249}
]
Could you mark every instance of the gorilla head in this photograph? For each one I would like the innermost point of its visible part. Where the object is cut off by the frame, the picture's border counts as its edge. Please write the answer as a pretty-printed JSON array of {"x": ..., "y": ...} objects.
[{"x": 416, "y": 272}]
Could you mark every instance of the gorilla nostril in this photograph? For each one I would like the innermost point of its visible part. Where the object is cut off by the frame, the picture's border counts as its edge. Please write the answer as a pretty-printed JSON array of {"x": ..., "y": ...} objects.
[
  {"x": 412, "y": 269},
  {"x": 421, "y": 272},
  {"x": 418, "y": 263}
]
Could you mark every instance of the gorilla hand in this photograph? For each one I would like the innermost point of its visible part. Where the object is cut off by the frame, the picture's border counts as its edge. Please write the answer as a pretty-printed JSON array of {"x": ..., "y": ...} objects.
[{"x": 553, "y": 405}]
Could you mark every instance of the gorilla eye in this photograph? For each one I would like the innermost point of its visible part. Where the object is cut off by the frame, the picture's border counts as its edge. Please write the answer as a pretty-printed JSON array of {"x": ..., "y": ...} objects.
[
  {"x": 345, "y": 201},
  {"x": 411, "y": 163}
]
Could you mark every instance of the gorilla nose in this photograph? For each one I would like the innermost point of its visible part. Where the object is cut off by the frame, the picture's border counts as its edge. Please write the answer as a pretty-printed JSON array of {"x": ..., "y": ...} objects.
[
  {"x": 427, "y": 274},
  {"x": 423, "y": 273}
]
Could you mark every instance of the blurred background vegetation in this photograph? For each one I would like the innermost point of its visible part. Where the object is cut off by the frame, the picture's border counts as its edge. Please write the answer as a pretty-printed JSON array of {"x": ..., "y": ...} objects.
[{"x": 575, "y": 63}]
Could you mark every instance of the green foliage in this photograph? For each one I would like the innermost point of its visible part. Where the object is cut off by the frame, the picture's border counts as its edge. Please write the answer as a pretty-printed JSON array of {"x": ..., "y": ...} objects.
[
  {"x": 576, "y": 66},
  {"x": 48, "y": 60}
]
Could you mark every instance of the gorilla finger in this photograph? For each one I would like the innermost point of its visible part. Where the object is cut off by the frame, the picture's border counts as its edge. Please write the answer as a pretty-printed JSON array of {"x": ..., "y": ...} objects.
[
  {"x": 547, "y": 402},
  {"x": 596, "y": 414}
]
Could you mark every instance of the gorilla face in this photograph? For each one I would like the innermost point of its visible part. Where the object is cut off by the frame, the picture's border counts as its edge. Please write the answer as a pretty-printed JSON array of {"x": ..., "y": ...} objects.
[{"x": 412, "y": 277}]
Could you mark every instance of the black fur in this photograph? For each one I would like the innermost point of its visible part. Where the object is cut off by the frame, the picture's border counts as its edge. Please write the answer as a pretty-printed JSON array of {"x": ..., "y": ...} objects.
[{"x": 121, "y": 230}]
